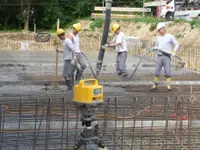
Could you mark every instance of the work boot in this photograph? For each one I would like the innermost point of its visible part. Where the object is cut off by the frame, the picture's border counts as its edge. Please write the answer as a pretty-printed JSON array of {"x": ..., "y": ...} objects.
[
  {"x": 154, "y": 87},
  {"x": 79, "y": 75},
  {"x": 69, "y": 85},
  {"x": 124, "y": 76},
  {"x": 168, "y": 83},
  {"x": 169, "y": 88}
]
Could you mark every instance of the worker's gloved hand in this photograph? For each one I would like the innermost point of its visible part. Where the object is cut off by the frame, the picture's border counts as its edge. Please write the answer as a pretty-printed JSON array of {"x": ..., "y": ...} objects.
[
  {"x": 174, "y": 53},
  {"x": 105, "y": 46},
  {"x": 73, "y": 61}
]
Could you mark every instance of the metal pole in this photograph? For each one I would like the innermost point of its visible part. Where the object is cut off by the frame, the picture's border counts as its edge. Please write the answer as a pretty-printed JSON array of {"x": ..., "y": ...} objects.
[
  {"x": 34, "y": 25},
  {"x": 143, "y": 8},
  {"x": 58, "y": 26},
  {"x": 104, "y": 36},
  {"x": 103, "y": 11}
]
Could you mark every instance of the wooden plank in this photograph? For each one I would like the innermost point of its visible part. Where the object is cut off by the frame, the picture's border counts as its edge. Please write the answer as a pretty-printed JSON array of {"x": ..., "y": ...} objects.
[
  {"x": 124, "y": 9},
  {"x": 113, "y": 16},
  {"x": 155, "y": 3}
]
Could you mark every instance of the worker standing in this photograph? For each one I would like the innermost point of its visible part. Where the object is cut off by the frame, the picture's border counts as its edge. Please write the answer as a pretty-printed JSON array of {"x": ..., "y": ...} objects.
[
  {"x": 79, "y": 55},
  {"x": 119, "y": 42},
  {"x": 165, "y": 43},
  {"x": 69, "y": 58}
]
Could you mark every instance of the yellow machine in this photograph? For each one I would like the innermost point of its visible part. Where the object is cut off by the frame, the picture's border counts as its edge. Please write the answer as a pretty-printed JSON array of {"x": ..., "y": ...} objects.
[{"x": 88, "y": 92}]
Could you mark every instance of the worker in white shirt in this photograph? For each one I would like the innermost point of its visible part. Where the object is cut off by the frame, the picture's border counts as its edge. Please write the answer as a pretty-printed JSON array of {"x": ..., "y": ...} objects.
[
  {"x": 119, "y": 42},
  {"x": 79, "y": 55},
  {"x": 165, "y": 43},
  {"x": 69, "y": 57}
]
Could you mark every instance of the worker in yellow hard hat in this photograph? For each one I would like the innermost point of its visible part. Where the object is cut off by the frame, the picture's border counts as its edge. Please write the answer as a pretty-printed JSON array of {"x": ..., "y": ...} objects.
[
  {"x": 119, "y": 42},
  {"x": 69, "y": 58},
  {"x": 76, "y": 28}
]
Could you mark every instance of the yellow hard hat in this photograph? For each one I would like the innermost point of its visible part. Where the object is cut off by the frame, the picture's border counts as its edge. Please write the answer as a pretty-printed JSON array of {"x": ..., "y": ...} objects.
[
  {"x": 115, "y": 27},
  {"x": 59, "y": 32},
  {"x": 77, "y": 26}
]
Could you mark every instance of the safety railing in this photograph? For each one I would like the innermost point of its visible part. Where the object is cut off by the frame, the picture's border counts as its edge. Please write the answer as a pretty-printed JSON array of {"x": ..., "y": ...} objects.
[
  {"x": 189, "y": 54},
  {"x": 138, "y": 123}
]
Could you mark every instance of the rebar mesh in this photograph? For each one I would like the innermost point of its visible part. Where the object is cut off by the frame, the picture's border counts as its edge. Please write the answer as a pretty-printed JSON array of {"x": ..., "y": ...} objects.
[{"x": 136, "y": 124}]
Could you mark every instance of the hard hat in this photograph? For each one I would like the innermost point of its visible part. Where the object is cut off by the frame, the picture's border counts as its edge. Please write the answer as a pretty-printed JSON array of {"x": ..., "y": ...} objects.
[
  {"x": 115, "y": 27},
  {"x": 59, "y": 32},
  {"x": 77, "y": 26},
  {"x": 160, "y": 25}
]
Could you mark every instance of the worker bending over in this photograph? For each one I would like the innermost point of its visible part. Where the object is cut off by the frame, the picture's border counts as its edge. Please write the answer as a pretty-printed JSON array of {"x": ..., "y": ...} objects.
[
  {"x": 69, "y": 58},
  {"x": 79, "y": 55},
  {"x": 119, "y": 42},
  {"x": 164, "y": 43}
]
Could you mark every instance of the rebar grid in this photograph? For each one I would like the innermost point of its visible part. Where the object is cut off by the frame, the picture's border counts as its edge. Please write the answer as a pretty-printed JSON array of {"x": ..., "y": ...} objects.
[{"x": 134, "y": 124}]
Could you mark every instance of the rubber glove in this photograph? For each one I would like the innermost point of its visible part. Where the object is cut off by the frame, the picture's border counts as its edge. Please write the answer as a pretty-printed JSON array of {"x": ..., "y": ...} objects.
[
  {"x": 174, "y": 53},
  {"x": 73, "y": 61},
  {"x": 105, "y": 46}
]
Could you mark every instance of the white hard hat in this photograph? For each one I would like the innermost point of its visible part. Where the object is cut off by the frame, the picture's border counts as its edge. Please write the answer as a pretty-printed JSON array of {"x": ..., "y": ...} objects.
[{"x": 160, "y": 25}]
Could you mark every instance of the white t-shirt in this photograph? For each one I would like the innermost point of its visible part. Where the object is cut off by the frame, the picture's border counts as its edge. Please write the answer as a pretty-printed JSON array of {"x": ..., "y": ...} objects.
[
  {"x": 165, "y": 43},
  {"x": 76, "y": 43},
  {"x": 68, "y": 47},
  {"x": 120, "y": 38}
]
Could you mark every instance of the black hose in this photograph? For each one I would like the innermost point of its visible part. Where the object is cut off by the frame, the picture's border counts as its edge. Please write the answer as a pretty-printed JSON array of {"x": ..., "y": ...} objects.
[
  {"x": 142, "y": 59},
  {"x": 138, "y": 65},
  {"x": 90, "y": 66}
]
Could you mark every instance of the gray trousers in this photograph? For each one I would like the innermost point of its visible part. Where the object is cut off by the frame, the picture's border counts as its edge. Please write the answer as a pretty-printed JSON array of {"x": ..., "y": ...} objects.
[
  {"x": 81, "y": 60},
  {"x": 165, "y": 62},
  {"x": 121, "y": 62}
]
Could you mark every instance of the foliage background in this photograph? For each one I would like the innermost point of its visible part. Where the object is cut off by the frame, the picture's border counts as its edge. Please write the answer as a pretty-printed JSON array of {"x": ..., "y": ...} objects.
[{"x": 13, "y": 13}]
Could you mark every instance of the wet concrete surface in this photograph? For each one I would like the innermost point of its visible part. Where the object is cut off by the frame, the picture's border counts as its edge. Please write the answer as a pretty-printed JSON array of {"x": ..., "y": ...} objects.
[{"x": 27, "y": 73}]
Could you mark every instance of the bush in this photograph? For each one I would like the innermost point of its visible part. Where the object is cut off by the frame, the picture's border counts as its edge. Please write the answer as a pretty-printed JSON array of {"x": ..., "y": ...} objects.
[{"x": 98, "y": 23}]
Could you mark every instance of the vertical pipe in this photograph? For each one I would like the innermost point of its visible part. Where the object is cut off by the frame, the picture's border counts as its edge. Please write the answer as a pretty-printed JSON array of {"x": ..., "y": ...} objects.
[
  {"x": 35, "y": 127},
  {"x": 176, "y": 124},
  {"x": 2, "y": 129},
  {"x": 115, "y": 130},
  {"x": 47, "y": 125},
  {"x": 67, "y": 136},
  {"x": 38, "y": 130},
  {"x": 58, "y": 26},
  {"x": 0, "y": 118},
  {"x": 141, "y": 139},
  {"x": 122, "y": 141},
  {"x": 19, "y": 123},
  {"x": 34, "y": 25},
  {"x": 152, "y": 121},
  {"x": 181, "y": 122},
  {"x": 166, "y": 101},
  {"x": 75, "y": 134},
  {"x": 104, "y": 36},
  {"x": 134, "y": 120},
  {"x": 106, "y": 115},
  {"x": 189, "y": 111},
  {"x": 63, "y": 121}
]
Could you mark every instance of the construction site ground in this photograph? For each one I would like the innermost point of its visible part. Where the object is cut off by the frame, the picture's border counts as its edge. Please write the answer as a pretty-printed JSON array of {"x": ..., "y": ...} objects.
[
  {"x": 32, "y": 105},
  {"x": 34, "y": 71}
]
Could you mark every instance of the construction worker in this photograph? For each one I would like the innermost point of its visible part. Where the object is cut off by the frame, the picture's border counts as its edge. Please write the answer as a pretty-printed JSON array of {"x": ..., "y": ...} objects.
[
  {"x": 79, "y": 55},
  {"x": 119, "y": 42},
  {"x": 69, "y": 58},
  {"x": 164, "y": 44}
]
